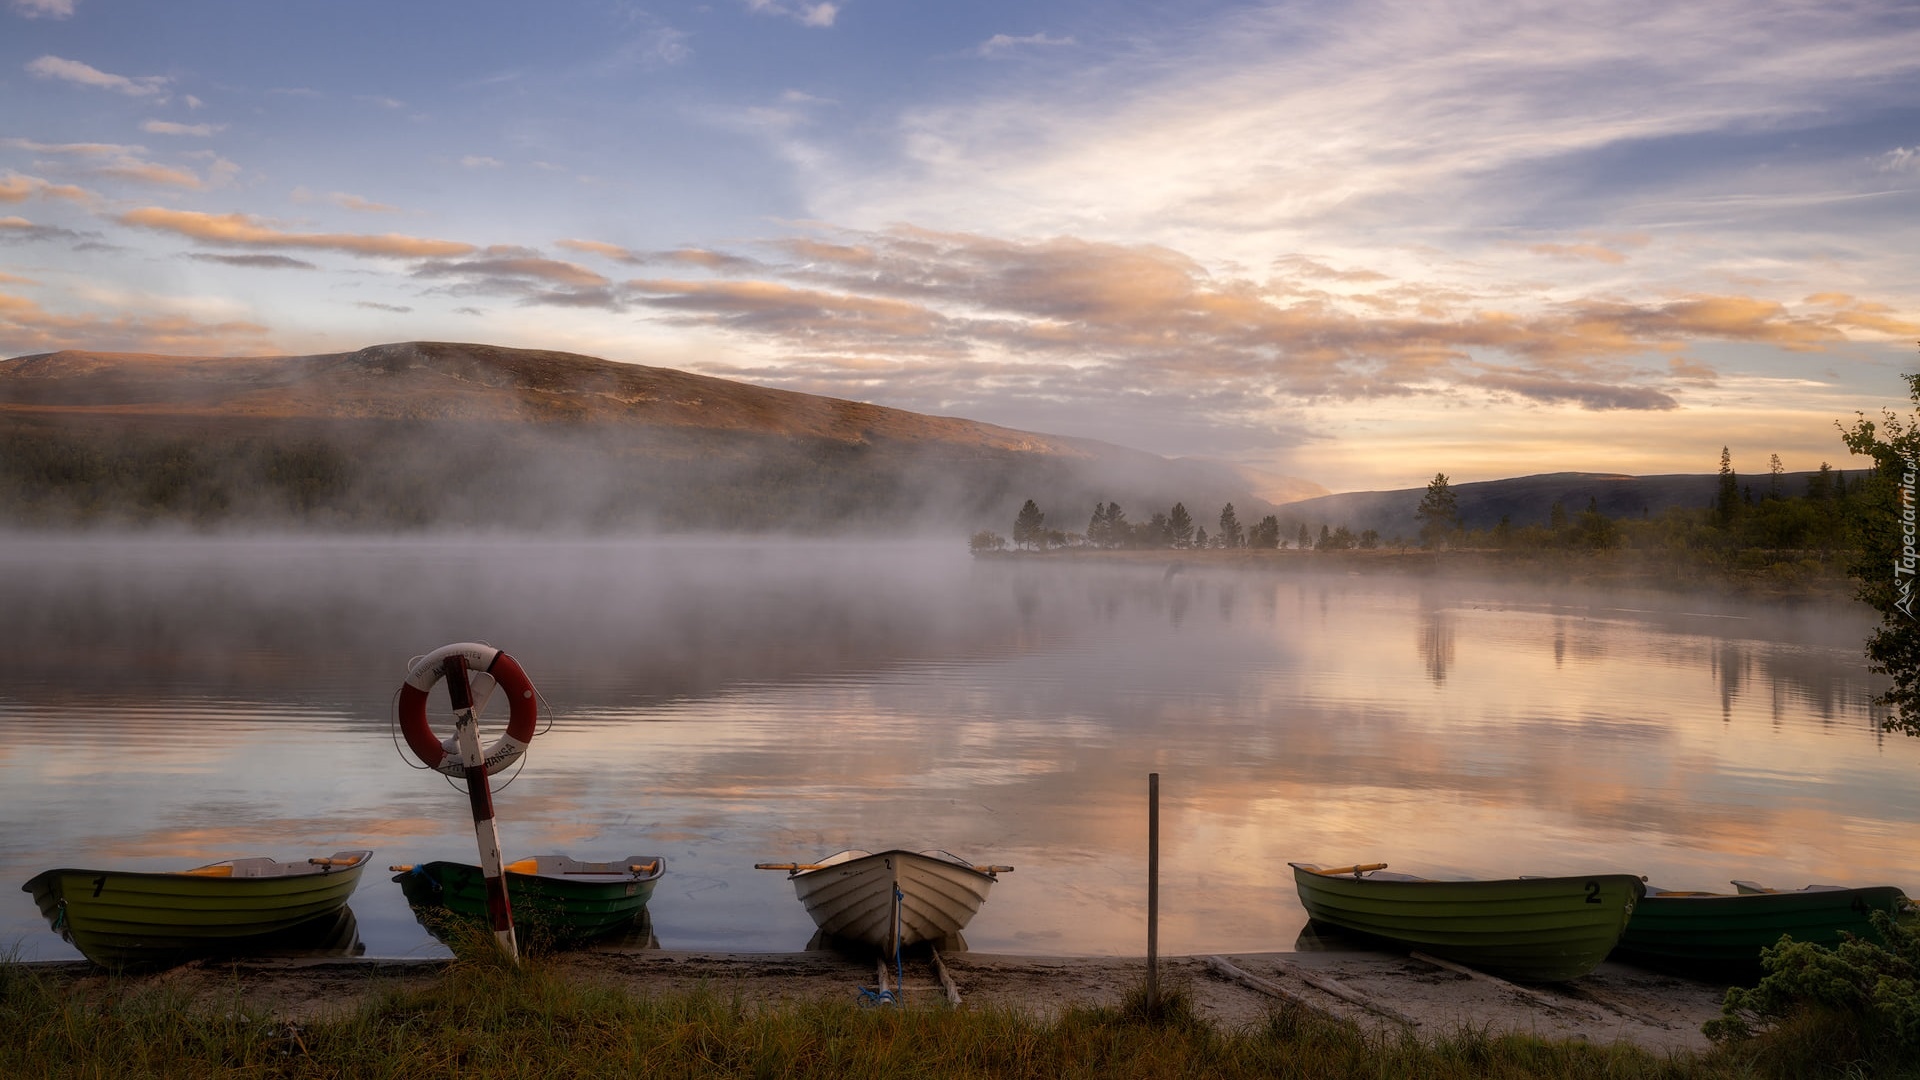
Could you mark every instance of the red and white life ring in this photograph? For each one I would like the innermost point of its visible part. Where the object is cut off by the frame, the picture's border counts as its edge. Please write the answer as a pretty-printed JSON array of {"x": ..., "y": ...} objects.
[{"x": 444, "y": 755}]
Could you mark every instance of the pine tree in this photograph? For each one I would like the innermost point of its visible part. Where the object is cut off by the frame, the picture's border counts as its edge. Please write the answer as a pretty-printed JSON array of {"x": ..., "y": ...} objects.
[
  {"x": 1098, "y": 526},
  {"x": 1180, "y": 523},
  {"x": 1030, "y": 528},
  {"x": 1119, "y": 533},
  {"x": 1230, "y": 533},
  {"x": 1439, "y": 511},
  {"x": 1727, "y": 504}
]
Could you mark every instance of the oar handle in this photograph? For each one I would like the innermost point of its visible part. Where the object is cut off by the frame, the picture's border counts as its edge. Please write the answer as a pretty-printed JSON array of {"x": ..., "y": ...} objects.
[
  {"x": 994, "y": 869},
  {"x": 1356, "y": 871},
  {"x": 318, "y": 861},
  {"x": 402, "y": 868},
  {"x": 787, "y": 866}
]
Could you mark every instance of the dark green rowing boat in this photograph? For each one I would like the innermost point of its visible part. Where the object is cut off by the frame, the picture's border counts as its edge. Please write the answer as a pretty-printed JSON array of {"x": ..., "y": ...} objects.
[
  {"x": 1533, "y": 929},
  {"x": 125, "y": 919},
  {"x": 1723, "y": 933},
  {"x": 555, "y": 899}
]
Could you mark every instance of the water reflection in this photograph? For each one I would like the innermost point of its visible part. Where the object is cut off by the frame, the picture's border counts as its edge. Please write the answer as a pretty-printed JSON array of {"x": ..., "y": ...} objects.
[
  {"x": 726, "y": 702},
  {"x": 1436, "y": 639}
]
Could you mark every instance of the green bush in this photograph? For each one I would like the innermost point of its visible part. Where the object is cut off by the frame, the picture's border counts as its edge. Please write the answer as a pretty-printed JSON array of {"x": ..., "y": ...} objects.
[{"x": 1865, "y": 995}]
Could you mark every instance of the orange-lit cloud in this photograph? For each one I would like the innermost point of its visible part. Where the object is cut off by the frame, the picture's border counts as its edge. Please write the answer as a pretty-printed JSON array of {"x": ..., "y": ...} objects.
[
  {"x": 15, "y": 187},
  {"x": 26, "y": 327},
  {"x": 1065, "y": 316},
  {"x": 246, "y": 230}
]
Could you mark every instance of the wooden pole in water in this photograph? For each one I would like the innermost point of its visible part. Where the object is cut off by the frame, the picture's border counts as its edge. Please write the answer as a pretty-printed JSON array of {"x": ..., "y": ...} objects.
[
  {"x": 1153, "y": 894},
  {"x": 466, "y": 734}
]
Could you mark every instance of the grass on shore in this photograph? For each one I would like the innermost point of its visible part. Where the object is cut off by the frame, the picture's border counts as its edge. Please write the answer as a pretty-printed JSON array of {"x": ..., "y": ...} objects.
[{"x": 483, "y": 1019}]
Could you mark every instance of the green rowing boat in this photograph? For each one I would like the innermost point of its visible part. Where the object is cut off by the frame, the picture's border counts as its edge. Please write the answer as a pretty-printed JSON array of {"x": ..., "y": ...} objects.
[
  {"x": 1723, "y": 933},
  {"x": 555, "y": 899},
  {"x": 123, "y": 919},
  {"x": 1533, "y": 929}
]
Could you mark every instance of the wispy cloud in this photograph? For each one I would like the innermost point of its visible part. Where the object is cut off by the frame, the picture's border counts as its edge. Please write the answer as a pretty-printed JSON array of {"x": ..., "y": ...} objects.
[
  {"x": 802, "y": 12},
  {"x": 1901, "y": 159},
  {"x": 14, "y": 227},
  {"x": 247, "y": 231},
  {"x": 27, "y": 327},
  {"x": 254, "y": 262},
  {"x": 1002, "y": 42},
  {"x": 966, "y": 313},
  {"x": 372, "y": 305},
  {"x": 169, "y": 127},
  {"x": 122, "y": 162},
  {"x": 44, "y": 9},
  {"x": 481, "y": 161},
  {"x": 73, "y": 71},
  {"x": 15, "y": 187}
]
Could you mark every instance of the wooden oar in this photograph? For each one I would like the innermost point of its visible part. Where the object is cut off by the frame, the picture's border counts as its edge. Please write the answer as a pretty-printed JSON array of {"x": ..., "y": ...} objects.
[
  {"x": 330, "y": 861},
  {"x": 1356, "y": 871},
  {"x": 787, "y": 865}
]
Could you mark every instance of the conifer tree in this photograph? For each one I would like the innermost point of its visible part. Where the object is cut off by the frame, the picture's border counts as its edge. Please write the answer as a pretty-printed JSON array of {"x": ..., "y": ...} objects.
[{"x": 1180, "y": 524}]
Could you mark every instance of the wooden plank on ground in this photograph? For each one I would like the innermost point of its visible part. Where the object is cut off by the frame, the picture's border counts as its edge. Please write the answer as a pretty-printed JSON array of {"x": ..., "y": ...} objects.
[
  {"x": 946, "y": 980},
  {"x": 1331, "y": 986},
  {"x": 1527, "y": 992}
]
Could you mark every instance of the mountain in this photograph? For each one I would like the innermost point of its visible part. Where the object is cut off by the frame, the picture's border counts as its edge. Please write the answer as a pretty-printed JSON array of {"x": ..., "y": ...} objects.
[
  {"x": 435, "y": 433},
  {"x": 1526, "y": 500}
]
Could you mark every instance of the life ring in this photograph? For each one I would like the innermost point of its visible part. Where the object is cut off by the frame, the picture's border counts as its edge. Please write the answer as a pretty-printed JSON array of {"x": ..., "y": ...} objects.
[{"x": 444, "y": 756}]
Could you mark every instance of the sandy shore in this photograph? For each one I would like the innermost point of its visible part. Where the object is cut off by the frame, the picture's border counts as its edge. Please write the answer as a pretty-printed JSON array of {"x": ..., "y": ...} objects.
[{"x": 1380, "y": 991}]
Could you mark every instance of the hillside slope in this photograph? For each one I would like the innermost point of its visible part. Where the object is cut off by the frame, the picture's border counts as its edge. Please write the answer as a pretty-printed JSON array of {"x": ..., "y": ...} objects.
[
  {"x": 1527, "y": 500},
  {"x": 425, "y": 433}
]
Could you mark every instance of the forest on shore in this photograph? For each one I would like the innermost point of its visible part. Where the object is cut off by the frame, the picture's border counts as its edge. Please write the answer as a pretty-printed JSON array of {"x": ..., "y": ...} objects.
[{"x": 1771, "y": 532}]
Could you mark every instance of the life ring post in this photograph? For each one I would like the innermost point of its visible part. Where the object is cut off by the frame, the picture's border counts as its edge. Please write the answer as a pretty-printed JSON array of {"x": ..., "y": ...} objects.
[{"x": 466, "y": 735}]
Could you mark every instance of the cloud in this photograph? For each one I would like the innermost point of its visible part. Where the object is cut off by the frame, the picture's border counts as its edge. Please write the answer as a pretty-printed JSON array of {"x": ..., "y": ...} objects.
[
  {"x": 364, "y": 206},
  {"x": 345, "y": 201},
  {"x": 958, "y": 315},
  {"x": 19, "y": 228},
  {"x": 596, "y": 247},
  {"x": 45, "y": 9},
  {"x": 526, "y": 275},
  {"x": 246, "y": 231},
  {"x": 803, "y": 12},
  {"x": 1901, "y": 159},
  {"x": 148, "y": 172},
  {"x": 373, "y": 306},
  {"x": 700, "y": 257},
  {"x": 15, "y": 187},
  {"x": 122, "y": 162},
  {"x": 168, "y": 127},
  {"x": 26, "y": 327},
  {"x": 519, "y": 264},
  {"x": 1002, "y": 42},
  {"x": 73, "y": 71},
  {"x": 255, "y": 262},
  {"x": 480, "y": 161}
]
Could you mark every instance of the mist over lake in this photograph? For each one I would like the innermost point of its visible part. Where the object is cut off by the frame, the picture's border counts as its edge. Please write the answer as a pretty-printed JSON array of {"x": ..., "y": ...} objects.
[{"x": 167, "y": 701}]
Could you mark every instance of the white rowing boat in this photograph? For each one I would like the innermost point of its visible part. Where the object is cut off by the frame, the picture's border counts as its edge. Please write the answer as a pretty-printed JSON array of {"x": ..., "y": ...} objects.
[{"x": 851, "y": 895}]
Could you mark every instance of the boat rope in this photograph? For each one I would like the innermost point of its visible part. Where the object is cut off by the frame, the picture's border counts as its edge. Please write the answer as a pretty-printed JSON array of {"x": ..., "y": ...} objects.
[{"x": 899, "y": 931}]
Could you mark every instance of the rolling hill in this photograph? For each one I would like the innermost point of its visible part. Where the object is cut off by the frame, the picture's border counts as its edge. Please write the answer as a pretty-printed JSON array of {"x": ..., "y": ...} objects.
[{"x": 423, "y": 434}]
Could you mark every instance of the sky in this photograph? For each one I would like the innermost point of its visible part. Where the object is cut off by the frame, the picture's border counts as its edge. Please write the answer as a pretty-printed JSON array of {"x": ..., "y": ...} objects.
[{"x": 1357, "y": 242}]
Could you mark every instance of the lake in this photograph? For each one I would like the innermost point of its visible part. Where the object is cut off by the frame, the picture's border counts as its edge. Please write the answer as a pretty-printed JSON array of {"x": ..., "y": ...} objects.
[{"x": 167, "y": 701}]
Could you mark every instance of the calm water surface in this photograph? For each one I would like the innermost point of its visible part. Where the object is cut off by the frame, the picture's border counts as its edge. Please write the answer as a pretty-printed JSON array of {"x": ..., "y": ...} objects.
[{"x": 170, "y": 702}]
